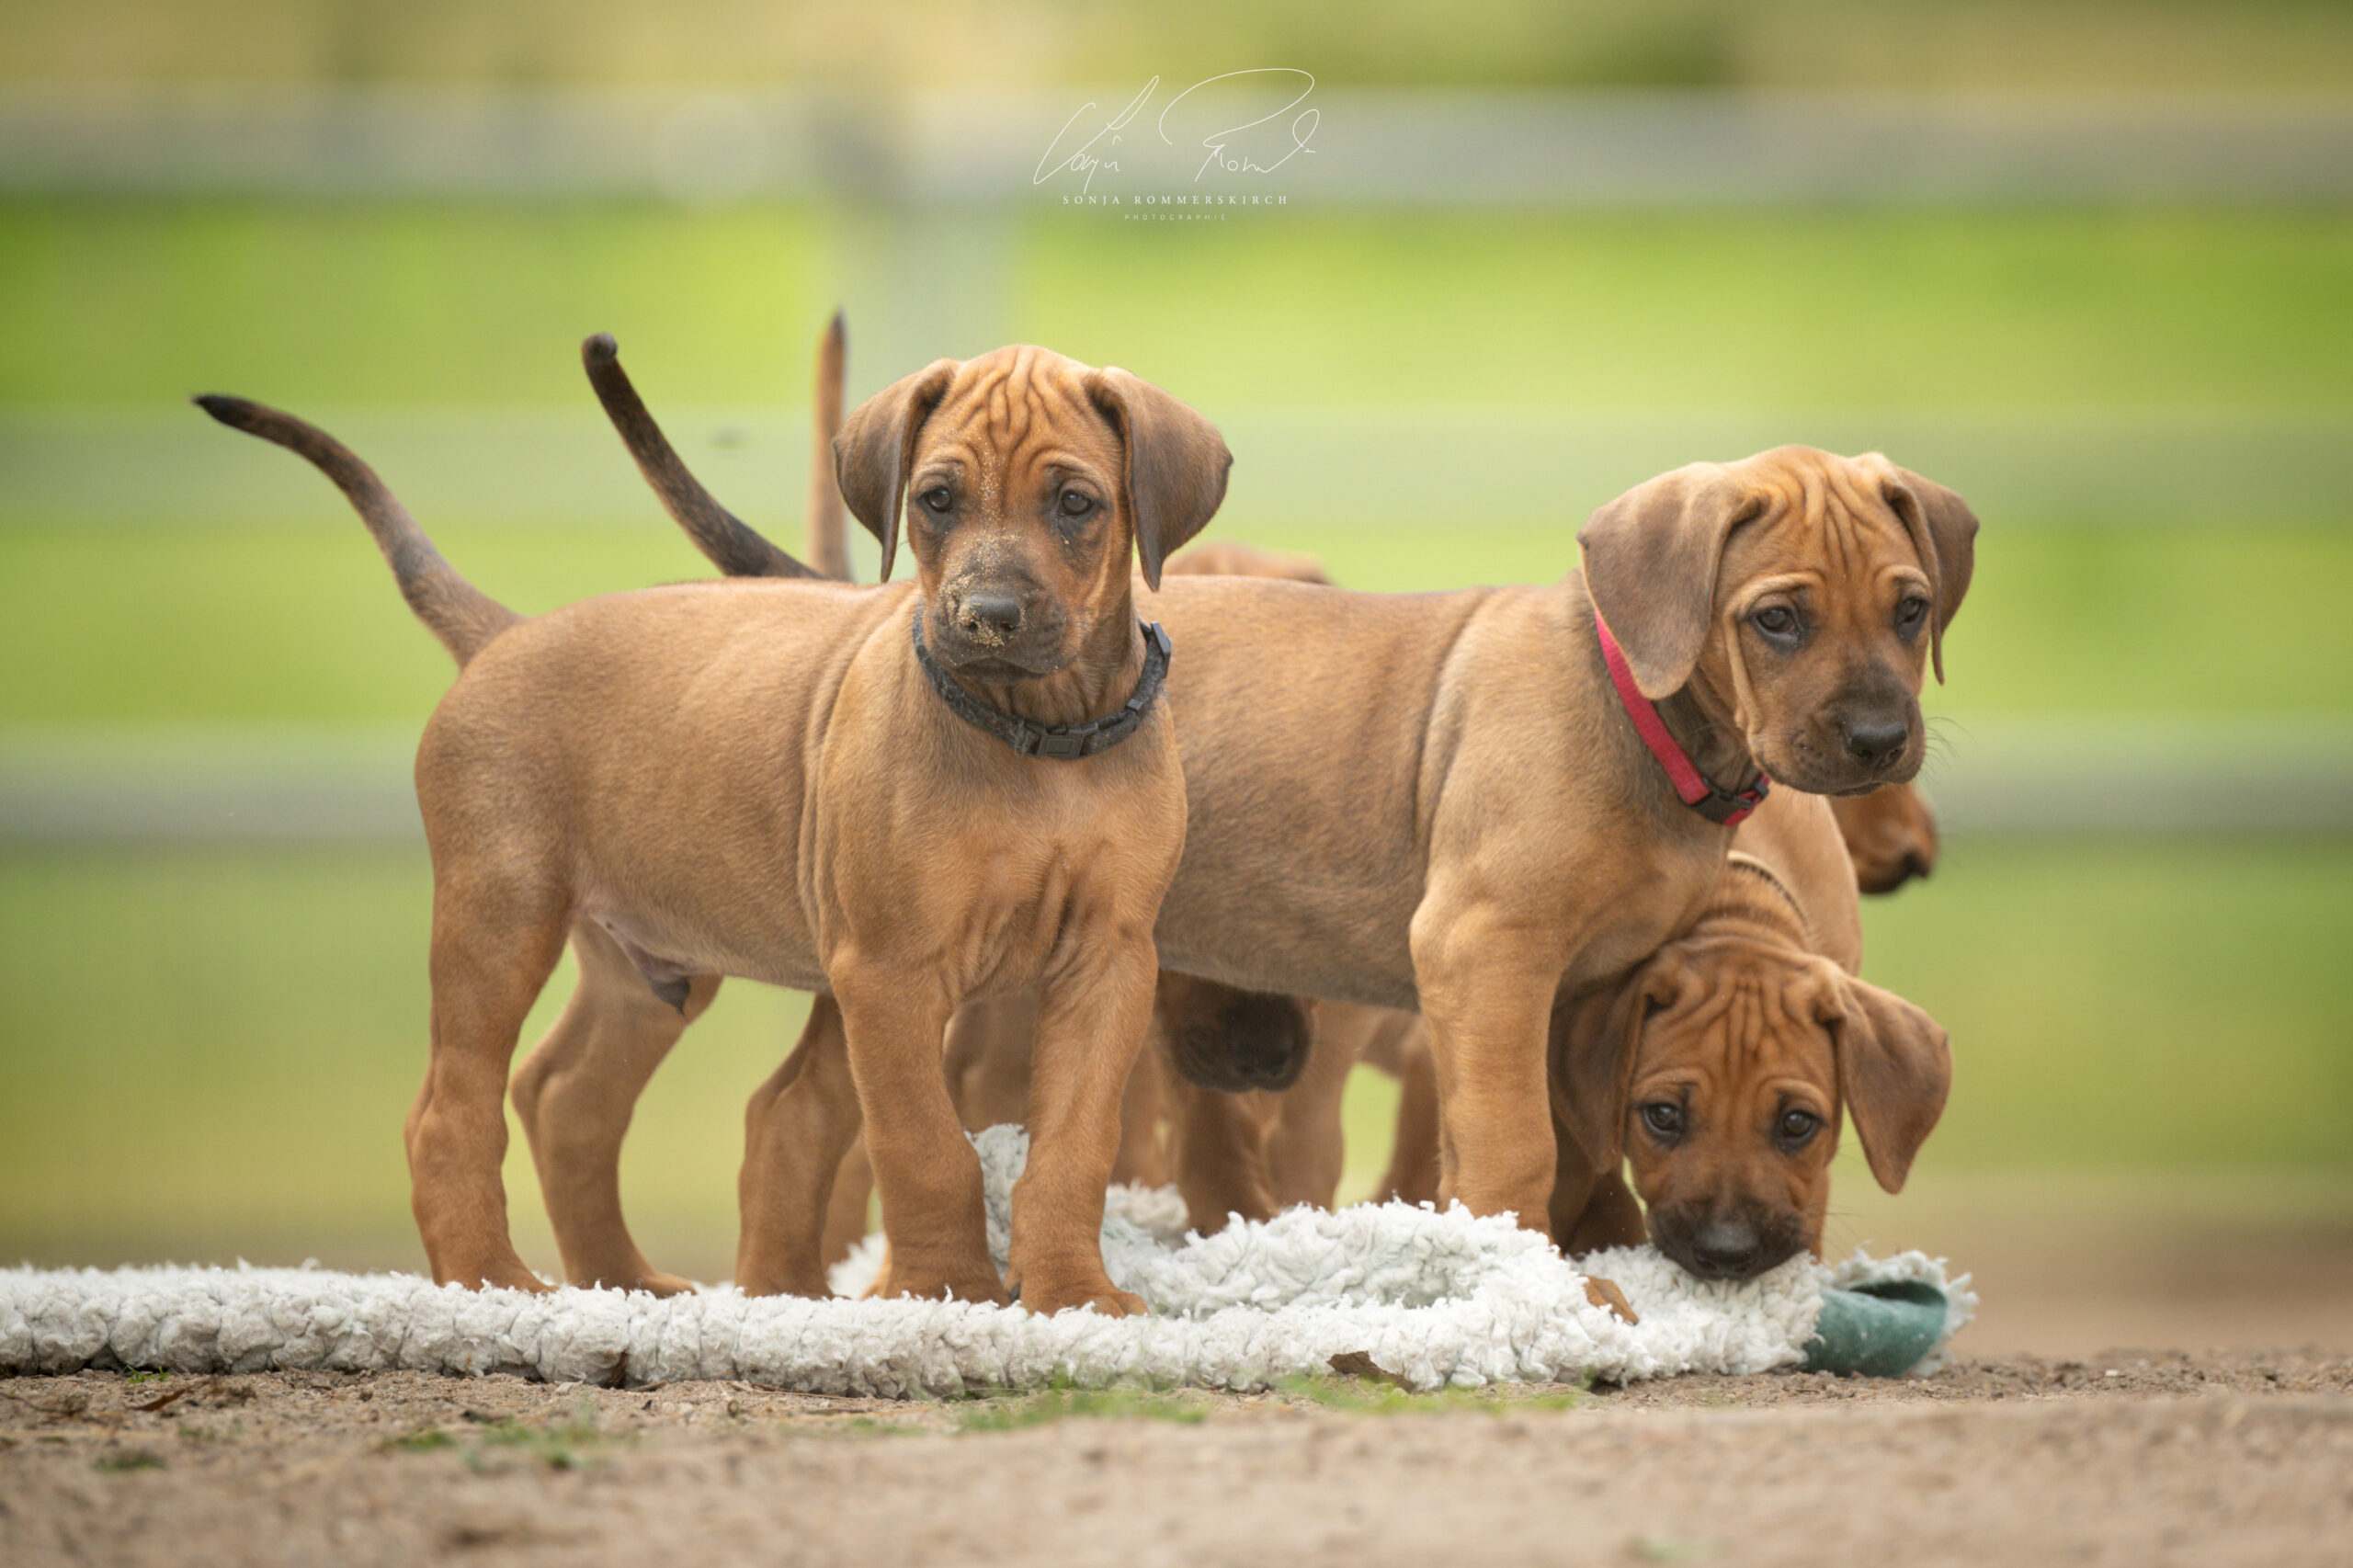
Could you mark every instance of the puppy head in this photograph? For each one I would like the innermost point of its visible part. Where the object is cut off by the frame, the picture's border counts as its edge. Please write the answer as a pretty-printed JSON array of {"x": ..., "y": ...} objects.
[
  {"x": 1809, "y": 592},
  {"x": 1736, "y": 1089},
  {"x": 1024, "y": 479},
  {"x": 1890, "y": 835},
  {"x": 1220, "y": 1038}
]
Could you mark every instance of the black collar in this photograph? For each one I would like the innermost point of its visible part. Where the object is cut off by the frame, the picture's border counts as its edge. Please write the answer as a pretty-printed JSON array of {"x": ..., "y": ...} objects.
[{"x": 1063, "y": 743}]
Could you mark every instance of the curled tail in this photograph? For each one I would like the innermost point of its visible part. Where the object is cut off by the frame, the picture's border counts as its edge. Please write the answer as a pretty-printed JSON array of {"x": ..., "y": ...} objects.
[
  {"x": 461, "y": 615},
  {"x": 828, "y": 518},
  {"x": 719, "y": 533}
]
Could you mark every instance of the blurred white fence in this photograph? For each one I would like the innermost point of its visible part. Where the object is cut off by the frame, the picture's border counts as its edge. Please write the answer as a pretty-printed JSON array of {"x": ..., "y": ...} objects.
[{"x": 1418, "y": 147}]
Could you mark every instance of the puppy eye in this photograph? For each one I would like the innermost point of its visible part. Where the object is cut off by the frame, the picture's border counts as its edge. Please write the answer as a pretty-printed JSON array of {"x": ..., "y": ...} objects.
[
  {"x": 1664, "y": 1118},
  {"x": 1797, "y": 1127},
  {"x": 937, "y": 498},
  {"x": 1076, "y": 504},
  {"x": 1776, "y": 620},
  {"x": 1910, "y": 613}
]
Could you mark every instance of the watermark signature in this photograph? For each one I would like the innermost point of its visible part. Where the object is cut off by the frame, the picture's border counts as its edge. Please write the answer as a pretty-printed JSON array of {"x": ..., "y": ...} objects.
[{"x": 1086, "y": 147}]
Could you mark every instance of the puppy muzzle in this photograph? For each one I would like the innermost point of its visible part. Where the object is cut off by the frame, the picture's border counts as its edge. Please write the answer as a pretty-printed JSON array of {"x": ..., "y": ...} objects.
[
  {"x": 997, "y": 634},
  {"x": 1735, "y": 1246}
]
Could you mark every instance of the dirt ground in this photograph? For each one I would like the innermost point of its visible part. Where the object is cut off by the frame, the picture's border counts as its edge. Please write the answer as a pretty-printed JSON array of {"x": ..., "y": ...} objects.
[{"x": 2127, "y": 1458}]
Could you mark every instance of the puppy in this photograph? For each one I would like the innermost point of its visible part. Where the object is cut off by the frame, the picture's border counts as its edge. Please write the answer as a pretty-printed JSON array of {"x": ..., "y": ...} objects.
[
  {"x": 1891, "y": 835},
  {"x": 1540, "y": 783},
  {"x": 1750, "y": 1037},
  {"x": 827, "y": 788}
]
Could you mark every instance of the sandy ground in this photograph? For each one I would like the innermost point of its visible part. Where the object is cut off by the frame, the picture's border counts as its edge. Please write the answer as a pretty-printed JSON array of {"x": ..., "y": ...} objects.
[
  {"x": 2129, "y": 1459},
  {"x": 2038, "y": 1444}
]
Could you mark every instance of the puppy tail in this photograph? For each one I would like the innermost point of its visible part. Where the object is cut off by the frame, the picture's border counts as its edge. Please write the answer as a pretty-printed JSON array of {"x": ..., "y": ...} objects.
[
  {"x": 461, "y": 615},
  {"x": 828, "y": 518},
  {"x": 719, "y": 533}
]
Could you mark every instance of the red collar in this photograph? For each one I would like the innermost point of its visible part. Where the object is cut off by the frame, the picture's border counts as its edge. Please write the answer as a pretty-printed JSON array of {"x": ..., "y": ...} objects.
[{"x": 1716, "y": 805}]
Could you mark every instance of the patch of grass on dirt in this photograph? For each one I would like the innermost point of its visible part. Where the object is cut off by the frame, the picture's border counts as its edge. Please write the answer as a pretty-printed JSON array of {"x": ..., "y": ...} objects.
[
  {"x": 563, "y": 1445},
  {"x": 424, "y": 1440},
  {"x": 868, "y": 1426},
  {"x": 1372, "y": 1397},
  {"x": 1011, "y": 1413},
  {"x": 130, "y": 1460}
]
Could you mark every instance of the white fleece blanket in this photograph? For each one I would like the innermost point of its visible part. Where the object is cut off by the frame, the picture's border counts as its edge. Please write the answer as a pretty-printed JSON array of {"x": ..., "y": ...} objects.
[{"x": 1438, "y": 1298}]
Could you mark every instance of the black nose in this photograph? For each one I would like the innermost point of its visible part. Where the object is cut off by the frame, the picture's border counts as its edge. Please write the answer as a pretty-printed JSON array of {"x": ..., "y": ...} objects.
[
  {"x": 988, "y": 617},
  {"x": 1875, "y": 743},
  {"x": 1726, "y": 1249}
]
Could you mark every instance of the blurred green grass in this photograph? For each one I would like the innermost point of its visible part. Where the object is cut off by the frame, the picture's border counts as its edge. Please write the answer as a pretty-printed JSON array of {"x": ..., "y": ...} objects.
[
  {"x": 212, "y": 1051},
  {"x": 216, "y": 1049},
  {"x": 316, "y": 303},
  {"x": 1805, "y": 310}
]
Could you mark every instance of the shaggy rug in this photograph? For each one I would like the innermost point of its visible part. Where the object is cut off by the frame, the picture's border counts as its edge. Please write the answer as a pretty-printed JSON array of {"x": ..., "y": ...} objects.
[{"x": 1435, "y": 1298}]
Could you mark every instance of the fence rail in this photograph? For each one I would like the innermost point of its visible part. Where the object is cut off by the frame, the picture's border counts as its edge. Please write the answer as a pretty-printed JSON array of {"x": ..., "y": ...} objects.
[
  {"x": 1437, "y": 148},
  {"x": 2074, "y": 775}
]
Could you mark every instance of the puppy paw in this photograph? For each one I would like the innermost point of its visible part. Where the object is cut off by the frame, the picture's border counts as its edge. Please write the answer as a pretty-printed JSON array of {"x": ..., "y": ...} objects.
[
  {"x": 513, "y": 1276},
  {"x": 962, "y": 1285},
  {"x": 1105, "y": 1298}
]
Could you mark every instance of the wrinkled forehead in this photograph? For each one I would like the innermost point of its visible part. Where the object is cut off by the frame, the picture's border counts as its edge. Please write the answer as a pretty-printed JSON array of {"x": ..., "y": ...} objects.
[
  {"x": 1740, "y": 1011},
  {"x": 1011, "y": 415},
  {"x": 1824, "y": 516}
]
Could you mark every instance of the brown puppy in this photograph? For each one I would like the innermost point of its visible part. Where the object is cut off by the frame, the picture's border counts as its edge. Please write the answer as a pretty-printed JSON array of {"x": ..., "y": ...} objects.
[
  {"x": 762, "y": 781},
  {"x": 1738, "y": 1087},
  {"x": 1752, "y": 1035},
  {"x": 1253, "y": 1112},
  {"x": 1479, "y": 829},
  {"x": 1441, "y": 801},
  {"x": 1890, "y": 835}
]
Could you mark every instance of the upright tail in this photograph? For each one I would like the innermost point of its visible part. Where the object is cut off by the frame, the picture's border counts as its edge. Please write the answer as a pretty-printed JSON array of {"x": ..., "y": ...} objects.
[
  {"x": 719, "y": 533},
  {"x": 828, "y": 518},
  {"x": 461, "y": 615}
]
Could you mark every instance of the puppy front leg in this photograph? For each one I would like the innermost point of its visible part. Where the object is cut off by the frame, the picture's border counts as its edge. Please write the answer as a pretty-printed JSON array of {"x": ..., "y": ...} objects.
[
  {"x": 1413, "y": 1175},
  {"x": 1307, "y": 1146},
  {"x": 1091, "y": 1025},
  {"x": 1143, "y": 1157},
  {"x": 1486, "y": 990},
  {"x": 988, "y": 1058},
  {"x": 929, "y": 1176},
  {"x": 846, "y": 1217},
  {"x": 1219, "y": 1143}
]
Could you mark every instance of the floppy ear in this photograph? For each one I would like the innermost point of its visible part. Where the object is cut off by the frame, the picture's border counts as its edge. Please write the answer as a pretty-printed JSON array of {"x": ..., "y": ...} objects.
[
  {"x": 1592, "y": 1053},
  {"x": 1176, "y": 464},
  {"x": 1944, "y": 532},
  {"x": 1650, "y": 564},
  {"x": 1894, "y": 1070},
  {"x": 877, "y": 443}
]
